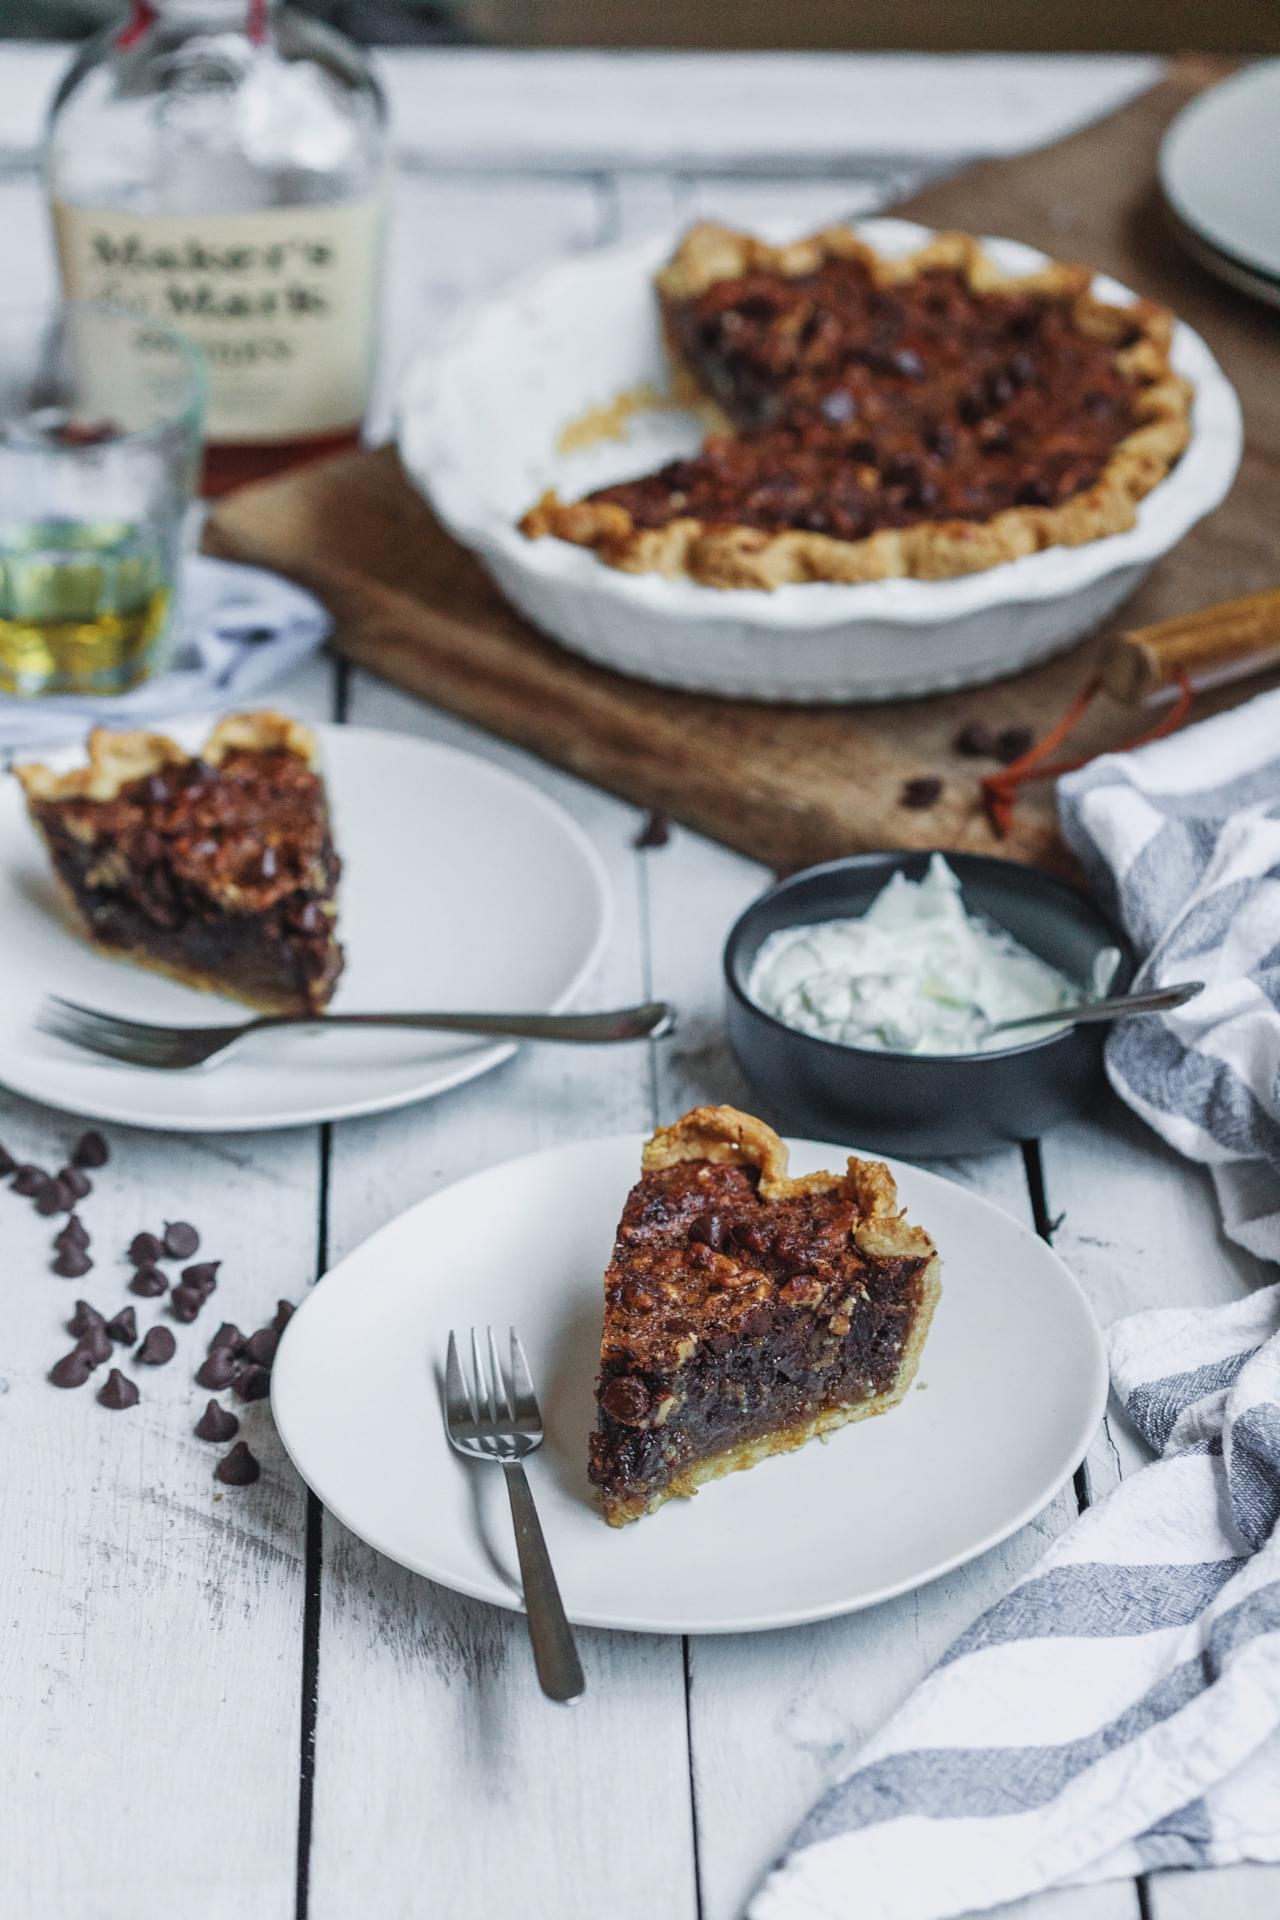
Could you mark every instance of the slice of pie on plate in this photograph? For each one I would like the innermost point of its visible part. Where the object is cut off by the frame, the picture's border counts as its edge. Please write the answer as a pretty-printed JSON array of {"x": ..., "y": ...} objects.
[
  {"x": 218, "y": 868},
  {"x": 927, "y": 415},
  {"x": 746, "y": 1312}
]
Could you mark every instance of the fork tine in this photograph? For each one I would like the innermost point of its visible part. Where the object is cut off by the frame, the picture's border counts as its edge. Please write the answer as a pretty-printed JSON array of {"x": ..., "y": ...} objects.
[
  {"x": 523, "y": 1399},
  {"x": 505, "y": 1411},
  {"x": 106, "y": 1044},
  {"x": 479, "y": 1388},
  {"x": 458, "y": 1408}
]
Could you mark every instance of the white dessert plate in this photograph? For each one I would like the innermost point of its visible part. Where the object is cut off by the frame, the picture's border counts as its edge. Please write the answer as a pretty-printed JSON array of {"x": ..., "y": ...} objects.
[
  {"x": 1010, "y": 1391},
  {"x": 481, "y": 413},
  {"x": 1220, "y": 170},
  {"x": 462, "y": 887}
]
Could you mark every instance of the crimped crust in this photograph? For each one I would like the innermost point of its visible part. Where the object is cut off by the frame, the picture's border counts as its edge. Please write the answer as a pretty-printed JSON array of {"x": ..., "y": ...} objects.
[
  {"x": 729, "y": 556},
  {"x": 116, "y": 760}
]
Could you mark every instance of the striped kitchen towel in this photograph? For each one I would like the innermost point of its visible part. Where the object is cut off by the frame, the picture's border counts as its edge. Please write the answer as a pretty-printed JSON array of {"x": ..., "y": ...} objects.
[
  {"x": 1181, "y": 842},
  {"x": 1119, "y": 1710}
]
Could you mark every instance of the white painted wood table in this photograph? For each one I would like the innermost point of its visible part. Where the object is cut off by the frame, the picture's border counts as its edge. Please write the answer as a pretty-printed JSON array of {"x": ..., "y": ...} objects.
[{"x": 218, "y": 1707}]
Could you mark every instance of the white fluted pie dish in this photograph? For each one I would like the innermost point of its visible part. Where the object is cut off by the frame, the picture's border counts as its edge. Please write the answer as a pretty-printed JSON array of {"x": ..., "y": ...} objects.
[{"x": 481, "y": 416}]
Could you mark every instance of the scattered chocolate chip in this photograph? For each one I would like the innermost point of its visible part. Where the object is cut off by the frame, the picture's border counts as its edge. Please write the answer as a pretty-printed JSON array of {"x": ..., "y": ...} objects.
[
  {"x": 77, "y": 1184},
  {"x": 203, "y": 1277},
  {"x": 145, "y": 1249},
  {"x": 227, "y": 1336},
  {"x": 239, "y": 1468},
  {"x": 261, "y": 1346},
  {"x": 72, "y": 1263},
  {"x": 73, "y": 1234},
  {"x": 655, "y": 832},
  {"x": 185, "y": 1303},
  {"x": 28, "y": 1181},
  {"x": 252, "y": 1383},
  {"x": 218, "y": 1370},
  {"x": 282, "y": 1315},
  {"x": 709, "y": 1228},
  {"x": 83, "y": 1318},
  {"x": 90, "y": 1151},
  {"x": 1012, "y": 743},
  {"x": 626, "y": 1400},
  {"x": 8, "y": 1164},
  {"x": 117, "y": 1393},
  {"x": 180, "y": 1239},
  {"x": 158, "y": 1347},
  {"x": 52, "y": 1197},
  {"x": 921, "y": 793},
  {"x": 124, "y": 1328},
  {"x": 72, "y": 1370},
  {"x": 148, "y": 1281},
  {"x": 977, "y": 741},
  {"x": 96, "y": 1343},
  {"x": 216, "y": 1423}
]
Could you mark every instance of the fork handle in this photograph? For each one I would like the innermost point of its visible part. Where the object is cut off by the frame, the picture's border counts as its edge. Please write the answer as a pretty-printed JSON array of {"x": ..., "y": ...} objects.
[
  {"x": 554, "y": 1654},
  {"x": 650, "y": 1021}
]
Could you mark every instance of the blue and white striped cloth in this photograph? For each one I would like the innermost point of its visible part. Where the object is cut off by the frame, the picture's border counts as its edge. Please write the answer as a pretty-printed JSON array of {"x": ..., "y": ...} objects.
[
  {"x": 1181, "y": 841},
  {"x": 1119, "y": 1710}
]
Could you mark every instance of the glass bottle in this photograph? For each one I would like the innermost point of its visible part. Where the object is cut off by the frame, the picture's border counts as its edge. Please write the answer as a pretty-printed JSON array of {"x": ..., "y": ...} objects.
[{"x": 221, "y": 165}]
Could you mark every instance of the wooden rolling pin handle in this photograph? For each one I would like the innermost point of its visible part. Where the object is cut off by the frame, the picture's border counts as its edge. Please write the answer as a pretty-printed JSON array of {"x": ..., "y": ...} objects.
[{"x": 1209, "y": 648}]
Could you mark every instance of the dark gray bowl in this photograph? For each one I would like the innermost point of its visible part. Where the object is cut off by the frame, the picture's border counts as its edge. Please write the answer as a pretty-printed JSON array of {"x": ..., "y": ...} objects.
[{"x": 929, "y": 1105}]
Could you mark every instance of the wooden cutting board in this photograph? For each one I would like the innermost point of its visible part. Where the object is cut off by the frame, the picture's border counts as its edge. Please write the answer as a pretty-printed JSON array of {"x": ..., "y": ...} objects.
[{"x": 792, "y": 785}]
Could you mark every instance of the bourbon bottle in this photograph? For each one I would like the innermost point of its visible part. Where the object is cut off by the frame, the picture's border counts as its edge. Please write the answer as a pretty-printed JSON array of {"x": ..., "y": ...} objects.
[{"x": 221, "y": 164}]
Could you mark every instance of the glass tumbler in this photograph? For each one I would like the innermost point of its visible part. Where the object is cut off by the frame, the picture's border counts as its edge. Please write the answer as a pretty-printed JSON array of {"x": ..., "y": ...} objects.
[{"x": 101, "y": 415}]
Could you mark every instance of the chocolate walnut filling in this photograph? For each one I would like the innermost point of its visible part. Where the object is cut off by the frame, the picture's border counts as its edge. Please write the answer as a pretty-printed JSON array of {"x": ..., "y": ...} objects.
[
  {"x": 745, "y": 1312},
  {"x": 929, "y": 416},
  {"x": 220, "y": 869}
]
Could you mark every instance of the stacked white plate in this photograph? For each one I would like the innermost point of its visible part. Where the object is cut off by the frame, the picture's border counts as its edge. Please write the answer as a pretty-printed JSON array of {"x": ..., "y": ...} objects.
[{"x": 1220, "y": 175}]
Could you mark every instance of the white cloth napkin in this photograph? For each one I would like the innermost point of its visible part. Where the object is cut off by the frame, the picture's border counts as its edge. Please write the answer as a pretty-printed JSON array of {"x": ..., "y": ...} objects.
[
  {"x": 239, "y": 629},
  {"x": 1181, "y": 841},
  {"x": 1119, "y": 1709}
]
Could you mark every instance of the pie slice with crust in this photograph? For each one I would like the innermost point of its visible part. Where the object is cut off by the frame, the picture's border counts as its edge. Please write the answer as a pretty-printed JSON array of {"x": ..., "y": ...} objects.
[
  {"x": 928, "y": 415},
  {"x": 746, "y": 1312},
  {"x": 218, "y": 868}
]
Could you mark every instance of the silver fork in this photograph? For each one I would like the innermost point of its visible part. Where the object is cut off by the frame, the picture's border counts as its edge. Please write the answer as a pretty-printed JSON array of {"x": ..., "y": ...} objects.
[
  {"x": 140, "y": 1044},
  {"x": 497, "y": 1418}
]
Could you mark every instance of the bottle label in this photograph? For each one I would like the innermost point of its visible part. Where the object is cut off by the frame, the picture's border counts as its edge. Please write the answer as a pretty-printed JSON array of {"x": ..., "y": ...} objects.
[{"x": 283, "y": 301}]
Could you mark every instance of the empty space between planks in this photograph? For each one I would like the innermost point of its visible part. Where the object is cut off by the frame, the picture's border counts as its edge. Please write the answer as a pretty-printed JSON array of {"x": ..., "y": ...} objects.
[{"x": 152, "y": 1618}]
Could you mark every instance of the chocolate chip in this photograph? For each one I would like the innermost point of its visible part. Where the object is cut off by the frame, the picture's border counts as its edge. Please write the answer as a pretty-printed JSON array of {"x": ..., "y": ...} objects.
[
  {"x": 72, "y": 1263},
  {"x": 252, "y": 1383},
  {"x": 28, "y": 1181},
  {"x": 8, "y": 1164},
  {"x": 655, "y": 832},
  {"x": 1036, "y": 492},
  {"x": 708, "y": 1228},
  {"x": 158, "y": 1348},
  {"x": 239, "y": 1468},
  {"x": 145, "y": 1249},
  {"x": 1012, "y": 743},
  {"x": 90, "y": 1151},
  {"x": 124, "y": 1328},
  {"x": 626, "y": 1400},
  {"x": 77, "y": 1184},
  {"x": 185, "y": 1303},
  {"x": 95, "y": 1343},
  {"x": 83, "y": 1318},
  {"x": 977, "y": 741},
  {"x": 203, "y": 1277},
  {"x": 218, "y": 1370},
  {"x": 282, "y": 1315},
  {"x": 227, "y": 1336},
  {"x": 216, "y": 1423},
  {"x": 117, "y": 1393},
  {"x": 73, "y": 1234},
  {"x": 52, "y": 1197},
  {"x": 921, "y": 793},
  {"x": 72, "y": 1370},
  {"x": 180, "y": 1239},
  {"x": 261, "y": 1346},
  {"x": 148, "y": 1281}
]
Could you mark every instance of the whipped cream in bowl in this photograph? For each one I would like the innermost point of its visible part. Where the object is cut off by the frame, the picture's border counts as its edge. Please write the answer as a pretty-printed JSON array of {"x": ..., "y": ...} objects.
[{"x": 860, "y": 997}]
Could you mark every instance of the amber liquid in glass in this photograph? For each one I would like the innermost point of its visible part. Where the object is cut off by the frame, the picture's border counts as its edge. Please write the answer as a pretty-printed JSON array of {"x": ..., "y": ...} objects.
[{"x": 83, "y": 607}]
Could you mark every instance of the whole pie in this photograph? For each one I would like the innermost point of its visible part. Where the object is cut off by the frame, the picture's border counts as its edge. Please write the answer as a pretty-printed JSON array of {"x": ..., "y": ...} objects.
[
  {"x": 928, "y": 415},
  {"x": 218, "y": 868},
  {"x": 746, "y": 1312}
]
